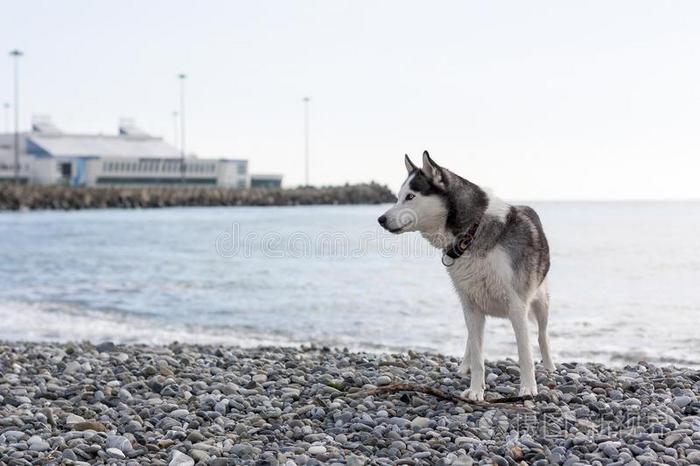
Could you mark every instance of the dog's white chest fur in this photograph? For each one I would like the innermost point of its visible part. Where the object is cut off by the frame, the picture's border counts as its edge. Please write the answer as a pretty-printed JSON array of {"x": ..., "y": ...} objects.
[{"x": 482, "y": 282}]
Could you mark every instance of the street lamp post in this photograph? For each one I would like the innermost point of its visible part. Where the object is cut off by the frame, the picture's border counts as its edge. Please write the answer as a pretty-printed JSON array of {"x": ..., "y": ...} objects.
[
  {"x": 6, "y": 117},
  {"x": 306, "y": 140},
  {"x": 182, "y": 77},
  {"x": 176, "y": 138},
  {"x": 16, "y": 54}
]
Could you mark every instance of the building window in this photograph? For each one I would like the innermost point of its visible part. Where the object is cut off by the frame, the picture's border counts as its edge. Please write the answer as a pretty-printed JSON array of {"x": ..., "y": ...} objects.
[{"x": 241, "y": 168}]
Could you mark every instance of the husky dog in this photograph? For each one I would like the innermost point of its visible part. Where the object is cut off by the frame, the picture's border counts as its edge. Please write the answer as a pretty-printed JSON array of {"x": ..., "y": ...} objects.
[{"x": 496, "y": 255}]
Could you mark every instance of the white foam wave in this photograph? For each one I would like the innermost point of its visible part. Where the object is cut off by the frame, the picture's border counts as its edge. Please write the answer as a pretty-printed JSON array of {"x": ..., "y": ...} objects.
[{"x": 65, "y": 322}]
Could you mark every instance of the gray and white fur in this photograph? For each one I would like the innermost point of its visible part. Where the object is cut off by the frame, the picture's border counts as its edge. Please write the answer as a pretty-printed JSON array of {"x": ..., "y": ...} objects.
[{"x": 501, "y": 274}]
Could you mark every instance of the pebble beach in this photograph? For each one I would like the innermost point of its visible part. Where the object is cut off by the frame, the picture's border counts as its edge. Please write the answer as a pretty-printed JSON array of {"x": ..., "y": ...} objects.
[{"x": 180, "y": 405}]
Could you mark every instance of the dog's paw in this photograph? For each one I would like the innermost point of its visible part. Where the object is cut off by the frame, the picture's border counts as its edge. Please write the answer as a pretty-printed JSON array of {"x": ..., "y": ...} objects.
[
  {"x": 473, "y": 395},
  {"x": 528, "y": 390},
  {"x": 464, "y": 368}
]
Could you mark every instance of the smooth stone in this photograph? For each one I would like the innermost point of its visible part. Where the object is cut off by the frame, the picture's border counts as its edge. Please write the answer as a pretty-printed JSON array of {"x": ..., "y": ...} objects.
[
  {"x": 179, "y": 413},
  {"x": 105, "y": 347},
  {"x": 120, "y": 443},
  {"x": 693, "y": 457},
  {"x": 116, "y": 453},
  {"x": 355, "y": 460},
  {"x": 39, "y": 445},
  {"x": 420, "y": 422},
  {"x": 199, "y": 455},
  {"x": 195, "y": 436},
  {"x": 242, "y": 450},
  {"x": 90, "y": 425},
  {"x": 72, "y": 367},
  {"x": 316, "y": 450},
  {"x": 73, "y": 419},
  {"x": 14, "y": 435},
  {"x": 383, "y": 380},
  {"x": 682, "y": 401},
  {"x": 673, "y": 438},
  {"x": 180, "y": 459}
]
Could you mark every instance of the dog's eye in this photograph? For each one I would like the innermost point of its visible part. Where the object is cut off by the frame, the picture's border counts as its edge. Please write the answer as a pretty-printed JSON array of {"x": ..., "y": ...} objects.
[{"x": 410, "y": 196}]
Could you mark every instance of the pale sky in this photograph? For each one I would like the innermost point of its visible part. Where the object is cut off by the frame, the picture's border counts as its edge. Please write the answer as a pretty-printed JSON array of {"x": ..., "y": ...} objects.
[{"x": 536, "y": 100}]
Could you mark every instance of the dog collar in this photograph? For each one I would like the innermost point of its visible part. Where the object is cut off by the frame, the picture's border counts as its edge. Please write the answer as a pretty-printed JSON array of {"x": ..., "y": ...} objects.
[{"x": 449, "y": 256}]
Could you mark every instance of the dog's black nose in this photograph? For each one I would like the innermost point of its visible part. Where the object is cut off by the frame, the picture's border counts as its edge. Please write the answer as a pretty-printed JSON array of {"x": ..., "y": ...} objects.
[{"x": 382, "y": 220}]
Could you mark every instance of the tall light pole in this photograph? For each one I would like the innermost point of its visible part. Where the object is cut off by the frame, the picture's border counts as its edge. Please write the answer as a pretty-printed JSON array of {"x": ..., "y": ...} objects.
[
  {"x": 176, "y": 138},
  {"x": 182, "y": 77},
  {"x": 306, "y": 140},
  {"x": 6, "y": 117},
  {"x": 16, "y": 54}
]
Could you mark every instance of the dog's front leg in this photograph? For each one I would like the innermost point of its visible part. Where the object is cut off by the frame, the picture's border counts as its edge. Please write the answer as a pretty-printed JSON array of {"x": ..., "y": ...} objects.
[
  {"x": 475, "y": 351},
  {"x": 518, "y": 318},
  {"x": 466, "y": 365}
]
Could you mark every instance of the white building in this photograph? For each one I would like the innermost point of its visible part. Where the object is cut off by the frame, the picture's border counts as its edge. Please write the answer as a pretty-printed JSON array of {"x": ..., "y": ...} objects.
[{"x": 131, "y": 157}]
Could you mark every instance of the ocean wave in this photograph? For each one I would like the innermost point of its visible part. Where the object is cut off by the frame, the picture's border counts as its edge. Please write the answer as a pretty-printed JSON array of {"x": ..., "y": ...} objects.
[{"x": 43, "y": 321}]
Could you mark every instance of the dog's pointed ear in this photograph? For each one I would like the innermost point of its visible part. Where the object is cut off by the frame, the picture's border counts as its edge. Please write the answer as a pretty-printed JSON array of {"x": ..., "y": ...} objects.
[
  {"x": 434, "y": 171},
  {"x": 409, "y": 165}
]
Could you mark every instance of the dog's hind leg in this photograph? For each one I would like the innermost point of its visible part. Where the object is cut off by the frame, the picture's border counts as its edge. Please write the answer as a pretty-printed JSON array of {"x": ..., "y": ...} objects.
[
  {"x": 518, "y": 318},
  {"x": 540, "y": 309}
]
